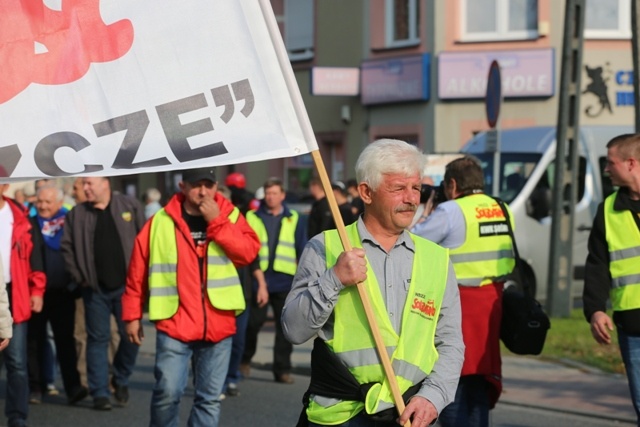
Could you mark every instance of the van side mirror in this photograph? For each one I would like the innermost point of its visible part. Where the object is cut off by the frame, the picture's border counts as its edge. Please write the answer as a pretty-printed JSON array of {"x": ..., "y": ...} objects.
[{"x": 539, "y": 203}]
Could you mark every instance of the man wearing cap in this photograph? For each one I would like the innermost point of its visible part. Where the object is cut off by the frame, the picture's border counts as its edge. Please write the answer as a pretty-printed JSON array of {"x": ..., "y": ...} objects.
[
  {"x": 97, "y": 242},
  {"x": 185, "y": 259}
]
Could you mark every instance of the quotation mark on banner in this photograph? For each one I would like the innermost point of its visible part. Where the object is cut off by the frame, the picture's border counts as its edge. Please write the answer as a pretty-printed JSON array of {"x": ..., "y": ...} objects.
[
  {"x": 51, "y": 47},
  {"x": 242, "y": 91}
]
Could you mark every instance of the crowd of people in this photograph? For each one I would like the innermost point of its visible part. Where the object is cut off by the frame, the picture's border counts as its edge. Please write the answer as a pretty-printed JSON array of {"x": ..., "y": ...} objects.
[{"x": 206, "y": 266}]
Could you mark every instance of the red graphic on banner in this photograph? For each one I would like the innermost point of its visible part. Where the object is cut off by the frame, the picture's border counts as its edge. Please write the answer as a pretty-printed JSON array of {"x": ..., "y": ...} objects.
[{"x": 51, "y": 47}]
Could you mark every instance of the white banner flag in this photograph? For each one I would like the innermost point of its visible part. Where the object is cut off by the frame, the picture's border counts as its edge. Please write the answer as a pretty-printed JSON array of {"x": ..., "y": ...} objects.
[{"x": 115, "y": 87}]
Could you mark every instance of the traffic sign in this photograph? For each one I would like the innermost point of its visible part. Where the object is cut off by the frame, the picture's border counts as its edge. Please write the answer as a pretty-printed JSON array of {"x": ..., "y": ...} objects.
[{"x": 493, "y": 97}]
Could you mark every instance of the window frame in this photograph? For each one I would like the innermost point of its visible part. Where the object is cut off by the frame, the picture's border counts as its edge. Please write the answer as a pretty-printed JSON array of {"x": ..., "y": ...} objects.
[
  {"x": 623, "y": 32},
  {"x": 301, "y": 54},
  {"x": 502, "y": 23},
  {"x": 413, "y": 20}
]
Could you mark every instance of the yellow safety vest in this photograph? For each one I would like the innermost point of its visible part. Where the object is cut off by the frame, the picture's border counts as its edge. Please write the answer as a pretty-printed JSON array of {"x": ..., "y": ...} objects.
[
  {"x": 487, "y": 254},
  {"x": 223, "y": 285},
  {"x": 285, "y": 260},
  {"x": 412, "y": 354},
  {"x": 623, "y": 238}
]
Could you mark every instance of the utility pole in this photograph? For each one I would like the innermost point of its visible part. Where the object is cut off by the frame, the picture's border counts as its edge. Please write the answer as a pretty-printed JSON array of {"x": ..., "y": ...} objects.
[
  {"x": 635, "y": 50},
  {"x": 559, "y": 302}
]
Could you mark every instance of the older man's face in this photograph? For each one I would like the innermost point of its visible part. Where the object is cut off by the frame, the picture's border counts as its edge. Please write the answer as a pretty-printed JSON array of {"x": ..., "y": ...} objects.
[
  {"x": 394, "y": 202},
  {"x": 47, "y": 203}
]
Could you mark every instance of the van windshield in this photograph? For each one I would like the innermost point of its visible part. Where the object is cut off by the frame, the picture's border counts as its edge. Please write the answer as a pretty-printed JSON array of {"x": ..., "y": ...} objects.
[{"x": 515, "y": 169}]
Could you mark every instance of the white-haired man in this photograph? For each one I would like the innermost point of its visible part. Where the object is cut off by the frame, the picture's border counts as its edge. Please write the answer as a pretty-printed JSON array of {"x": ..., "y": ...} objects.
[{"x": 416, "y": 304}]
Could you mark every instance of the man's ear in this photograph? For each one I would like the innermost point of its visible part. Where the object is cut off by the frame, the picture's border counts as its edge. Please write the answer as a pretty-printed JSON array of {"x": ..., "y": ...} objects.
[{"x": 365, "y": 192}]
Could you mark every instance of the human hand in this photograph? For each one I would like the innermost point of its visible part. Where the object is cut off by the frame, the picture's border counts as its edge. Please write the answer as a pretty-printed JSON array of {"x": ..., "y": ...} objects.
[
  {"x": 419, "y": 411},
  {"x": 262, "y": 296},
  {"x": 135, "y": 332},
  {"x": 4, "y": 343},
  {"x": 351, "y": 267},
  {"x": 601, "y": 325},
  {"x": 36, "y": 304},
  {"x": 209, "y": 208}
]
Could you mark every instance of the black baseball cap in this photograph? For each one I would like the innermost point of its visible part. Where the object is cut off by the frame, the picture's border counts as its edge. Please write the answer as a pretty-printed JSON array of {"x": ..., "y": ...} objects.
[
  {"x": 195, "y": 175},
  {"x": 339, "y": 185}
]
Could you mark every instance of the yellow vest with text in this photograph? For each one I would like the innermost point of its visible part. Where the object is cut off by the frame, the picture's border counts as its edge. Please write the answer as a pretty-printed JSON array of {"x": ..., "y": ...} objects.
[
  {"x": 412, "y": 354},
  {"x": 223, "y": 284},
  {"x": 623, "y": 238},
  {"x": 487, "y": 254},
  {"x": 285, "y": 260}
]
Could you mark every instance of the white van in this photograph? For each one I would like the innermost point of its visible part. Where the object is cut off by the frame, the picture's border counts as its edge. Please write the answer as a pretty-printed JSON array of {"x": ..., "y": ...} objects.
[{"x": 526, "y": 176}]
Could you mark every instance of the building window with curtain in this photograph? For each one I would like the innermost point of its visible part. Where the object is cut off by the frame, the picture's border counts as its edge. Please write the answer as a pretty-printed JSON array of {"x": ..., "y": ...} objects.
[
  {"x": 608, "y": 19},
  {"x": 299, "y": 29},
  {"x": 497, "y": 20},
  {"x": 402, "y": 23}
]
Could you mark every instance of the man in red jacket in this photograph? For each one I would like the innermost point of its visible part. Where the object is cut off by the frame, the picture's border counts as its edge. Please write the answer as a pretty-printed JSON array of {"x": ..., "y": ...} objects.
[
  {"x": 184, "y": 259},
  {"x": 25, "y": 279}
]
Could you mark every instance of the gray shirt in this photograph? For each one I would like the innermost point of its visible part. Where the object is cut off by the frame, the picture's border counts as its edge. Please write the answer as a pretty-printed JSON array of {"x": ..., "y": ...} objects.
[
  {"x": 309, "y": 306},
  {"x": 445, "y": 226}
]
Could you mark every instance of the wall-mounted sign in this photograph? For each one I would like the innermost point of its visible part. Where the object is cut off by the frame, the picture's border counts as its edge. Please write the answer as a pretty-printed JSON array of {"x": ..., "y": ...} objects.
[
  {"x": 337, "y": 81},
  {"x": 396, "y": 80},
  {"x": 525, "y": 73}
]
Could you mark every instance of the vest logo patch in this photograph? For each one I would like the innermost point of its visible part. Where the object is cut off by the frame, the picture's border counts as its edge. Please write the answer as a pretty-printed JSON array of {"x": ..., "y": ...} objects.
[
  {"x": 490, "y": 212},
  {"x": 423, "y": 307},
  {"x": 495, "y": 228}
]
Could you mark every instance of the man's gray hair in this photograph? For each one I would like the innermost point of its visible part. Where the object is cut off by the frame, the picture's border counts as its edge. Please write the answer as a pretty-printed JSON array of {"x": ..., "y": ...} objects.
[
  {"x": 387, "y": 156},
  {"x": 58, "y": 191}
]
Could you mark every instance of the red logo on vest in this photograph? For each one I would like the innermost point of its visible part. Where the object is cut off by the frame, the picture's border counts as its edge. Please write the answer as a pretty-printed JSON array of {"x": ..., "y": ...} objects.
[
  {"x": 427, "y": 308},
  {"x": 489, "y": 212},
  {"x": 51, "y": 47}
]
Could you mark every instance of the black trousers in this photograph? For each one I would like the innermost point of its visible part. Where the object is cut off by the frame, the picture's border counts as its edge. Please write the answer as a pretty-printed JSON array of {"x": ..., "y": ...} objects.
[
  {"x": 282, "y": 348},
  {"x": 58, "y": 309}
]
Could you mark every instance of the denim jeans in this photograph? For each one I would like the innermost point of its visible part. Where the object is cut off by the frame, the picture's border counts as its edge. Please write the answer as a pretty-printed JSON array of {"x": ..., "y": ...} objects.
[
  {"x": 237, "y": 348},
  {"x": 209, "y": 363},
  {"x": 99, "y": 306},
  {"x": 15, "y": 360},
  {"x": 630, "y": 351},
  {"x": 471, "y": 405}
]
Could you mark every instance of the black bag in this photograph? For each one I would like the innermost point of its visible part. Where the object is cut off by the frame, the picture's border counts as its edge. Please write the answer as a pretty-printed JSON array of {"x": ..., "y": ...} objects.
[{"x": 524, "y": 325}]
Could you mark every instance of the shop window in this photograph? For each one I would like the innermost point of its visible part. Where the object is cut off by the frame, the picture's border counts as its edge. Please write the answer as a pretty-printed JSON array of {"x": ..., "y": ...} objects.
[
  {"x": 490, "y": 20},
  {"x": 298, "y": 29},
  {"x": 608, "y": 19},
  {"x": 403, "y": 23}
]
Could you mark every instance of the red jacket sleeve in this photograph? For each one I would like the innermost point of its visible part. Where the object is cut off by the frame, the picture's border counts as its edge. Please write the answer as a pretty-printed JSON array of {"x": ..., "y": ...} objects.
[
  {"x": 238, "y": 240},
  {"x": 137, "y": 288},
  {"x": 37, "y": 283}
]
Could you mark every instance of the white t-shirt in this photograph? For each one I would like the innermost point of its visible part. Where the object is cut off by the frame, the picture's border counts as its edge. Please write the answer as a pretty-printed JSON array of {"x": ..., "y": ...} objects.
[{"x": 6, "y": 232}]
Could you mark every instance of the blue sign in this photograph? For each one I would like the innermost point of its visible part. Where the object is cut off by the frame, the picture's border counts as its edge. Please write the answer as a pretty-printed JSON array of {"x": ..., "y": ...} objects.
[{"x": 493, "y": 97}]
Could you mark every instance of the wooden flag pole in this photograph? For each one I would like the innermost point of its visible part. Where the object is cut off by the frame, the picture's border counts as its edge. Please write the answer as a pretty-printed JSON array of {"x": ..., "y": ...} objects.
[{"x": 310, "y": 139}]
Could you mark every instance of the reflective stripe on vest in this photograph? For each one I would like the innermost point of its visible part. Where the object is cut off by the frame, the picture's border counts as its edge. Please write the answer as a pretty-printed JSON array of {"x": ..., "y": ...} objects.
[
  {"x": 285, "y": 260},
  {"x": 623, "y": 239},
  {"x": 223, "y": 285},
  {"x": 353, "y": 342},
  {"x": 486, "y": 255}
]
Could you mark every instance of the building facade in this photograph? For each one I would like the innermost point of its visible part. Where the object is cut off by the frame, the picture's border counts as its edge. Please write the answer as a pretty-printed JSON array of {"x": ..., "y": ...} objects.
[{"x": 417, "y": 70}]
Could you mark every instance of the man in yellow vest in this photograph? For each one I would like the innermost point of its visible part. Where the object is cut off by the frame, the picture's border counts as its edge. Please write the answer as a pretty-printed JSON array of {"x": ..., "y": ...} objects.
[
  {"x": 282, "y": 236},
  {"x": 414, "y": 297},
  {"x": 473, "y": 226},
  {"x": 613, "y": 265},
  {"x": 185, "y": 259}
]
